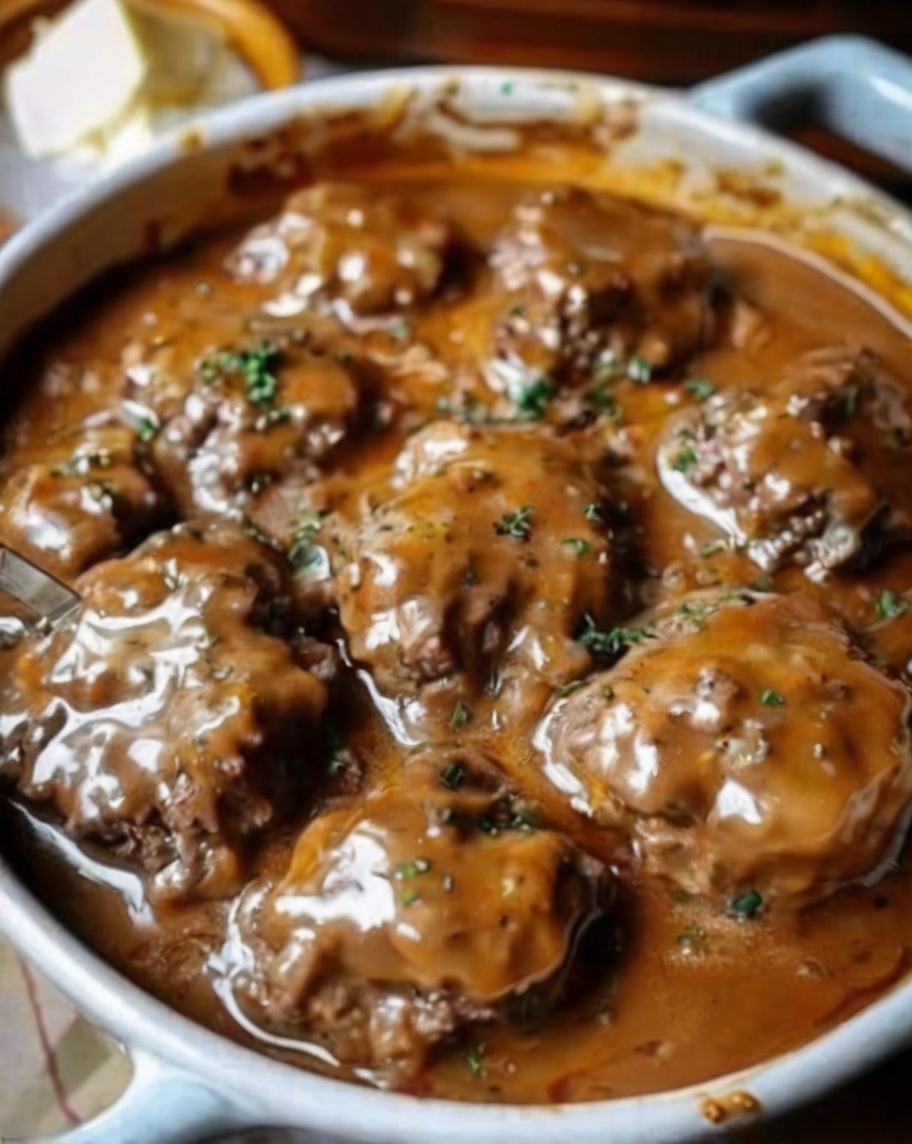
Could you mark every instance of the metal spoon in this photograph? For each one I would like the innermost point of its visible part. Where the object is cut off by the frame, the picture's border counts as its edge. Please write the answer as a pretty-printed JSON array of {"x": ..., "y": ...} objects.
[{"x": 50, "y": 599}]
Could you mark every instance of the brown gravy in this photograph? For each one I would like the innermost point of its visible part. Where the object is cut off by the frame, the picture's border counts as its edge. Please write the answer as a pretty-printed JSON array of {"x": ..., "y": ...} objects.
[{"x": 692, "y": 992}]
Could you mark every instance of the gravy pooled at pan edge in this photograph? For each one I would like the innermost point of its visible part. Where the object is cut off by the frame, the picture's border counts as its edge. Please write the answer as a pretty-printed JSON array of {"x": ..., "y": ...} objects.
[{"x": 492, "y": 680}]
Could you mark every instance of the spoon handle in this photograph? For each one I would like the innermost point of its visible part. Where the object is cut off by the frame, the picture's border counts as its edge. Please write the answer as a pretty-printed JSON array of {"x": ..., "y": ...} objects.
[{"x": 50, "y": 599}]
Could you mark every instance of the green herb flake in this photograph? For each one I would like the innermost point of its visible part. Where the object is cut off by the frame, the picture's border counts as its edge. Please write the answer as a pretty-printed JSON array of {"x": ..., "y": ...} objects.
[
  {"x": 454, "y": 776},
  {"x": 532, "y": 399},
  {"x": 256, "y": 366},
  {"x": 474, "y": 1059},
  {"x": 713, "y": 549},
  {"x": 772, "y": 698},
  {"x": 746, "y": 905},
  {"x": 409, "y": 897},
  {"x": 303, "y": 553},
  {"x": 335, "y": 748},
  {"x": 525, "y": 816},
  {"x": 569, "y": 688},
  {"x": 399, "y": 329},
  {"x": 889, "y": 604},
  {"x": 517, "y": 525},
  {"x": 609, "y": 643},
  {"x": 593, "y": 513},
  {"x": 698, "y": 613},
  {"x": 639, "y": 370},
  {"x": 413, "y": 868},
  {"x": 850, "y": 401},
  {"x": 603, "y": 402},
  {"x": 461, "y": 716},
  {"x": 699, "y": 388},
  {"x": 576, "y": 546},
  {"x": 686, "y": 458},
  {"x": 468, "y": 409},
  {"x": 146, "y": 429}
]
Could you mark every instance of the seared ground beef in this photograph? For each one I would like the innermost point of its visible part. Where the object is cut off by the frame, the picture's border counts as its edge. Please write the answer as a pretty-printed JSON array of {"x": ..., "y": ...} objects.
[
  {"x": 81, "y": 500},
  {"x": 595, "y": 288},
  {"x": 692, "y": 746},
  {"x": 813, "y": 470},
  {"x": 435, "y": 903},
  {"x": 169, "y": 720},
  {"x": 479, "y": 569},
  {"x": 349, "y": 249}
]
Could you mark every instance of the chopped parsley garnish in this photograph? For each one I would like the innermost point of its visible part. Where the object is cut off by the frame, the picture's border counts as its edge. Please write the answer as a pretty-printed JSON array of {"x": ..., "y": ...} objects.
[
  {"x": 517, "y": 524},
  {"x": 569, "y": 688},
  {"x": 889, "y": 604},
  {"x": 405, "y": 871},
  {"x": 469, "y": 409},
  {"x": 714, "y": 548},
  {"x": 399, "y": 329},
  {"x": 746, "y": 905},
  {"x": 850, "y": 400},
  {"x": 602, "y": 400},
  {"x": 686, "y": 458},
  {"x": 461, "y": 716},
  {"x": 146, "y": 429},
  {"x": 700, "y": 388},
  {"x": 336, "y": 745},
  {"x": 256, "y": 366},
  {"x": 577, "y": 546},
  {"x": 454, "y": 776},
  {"x": 409, "y": 897},
  {"x": 474, "y": 1057},
  {"x": 699, "y": 613},
  {"x": 609, "y": 643},
  {"x": 639, "y": 370},
  {"x": 772, "y": 698},
  {"x": 524, "y": 816},
  {"x": 304, "y": 553},
  {"x": 593, "y": 512},
  {"x": 532, "y": 399}
]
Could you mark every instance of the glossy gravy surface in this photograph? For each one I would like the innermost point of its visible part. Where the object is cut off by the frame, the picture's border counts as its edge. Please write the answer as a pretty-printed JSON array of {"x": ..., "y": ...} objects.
[{"x": 678, "y": 989}]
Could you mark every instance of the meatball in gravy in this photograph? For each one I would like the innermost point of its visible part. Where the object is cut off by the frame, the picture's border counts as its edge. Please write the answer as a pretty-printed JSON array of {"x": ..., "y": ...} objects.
[
  {"x": 80, "y": 499},
  {"x": 436, "y": 904},
  {"x": 343, "y": 248},
  {"x": 690, "y": 747},
  {"x": 813, "y": 470},
  {"x": 475, "y": 574},
  {"x": 492, "y": 677},
  {"x": 593, "y": 288},
  {"x": 170, "y": 719}
]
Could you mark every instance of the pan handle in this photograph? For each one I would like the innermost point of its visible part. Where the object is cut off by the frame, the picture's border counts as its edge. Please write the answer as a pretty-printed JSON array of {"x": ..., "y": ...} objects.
[
  {"x": 853, "y": 86},
  {"x": 160, "y": 1106}
]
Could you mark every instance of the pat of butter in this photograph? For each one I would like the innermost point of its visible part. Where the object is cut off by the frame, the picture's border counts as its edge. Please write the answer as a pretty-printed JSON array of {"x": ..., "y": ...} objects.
[{"x": 102, "y": 65}]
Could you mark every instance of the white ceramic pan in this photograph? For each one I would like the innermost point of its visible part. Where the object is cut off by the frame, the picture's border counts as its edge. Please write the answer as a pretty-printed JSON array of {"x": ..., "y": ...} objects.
[{"x": 189, "y": 1082}]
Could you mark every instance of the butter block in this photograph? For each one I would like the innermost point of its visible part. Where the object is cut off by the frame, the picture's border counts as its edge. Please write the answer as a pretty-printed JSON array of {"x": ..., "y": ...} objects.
[{"x": 82, "y": 73}]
